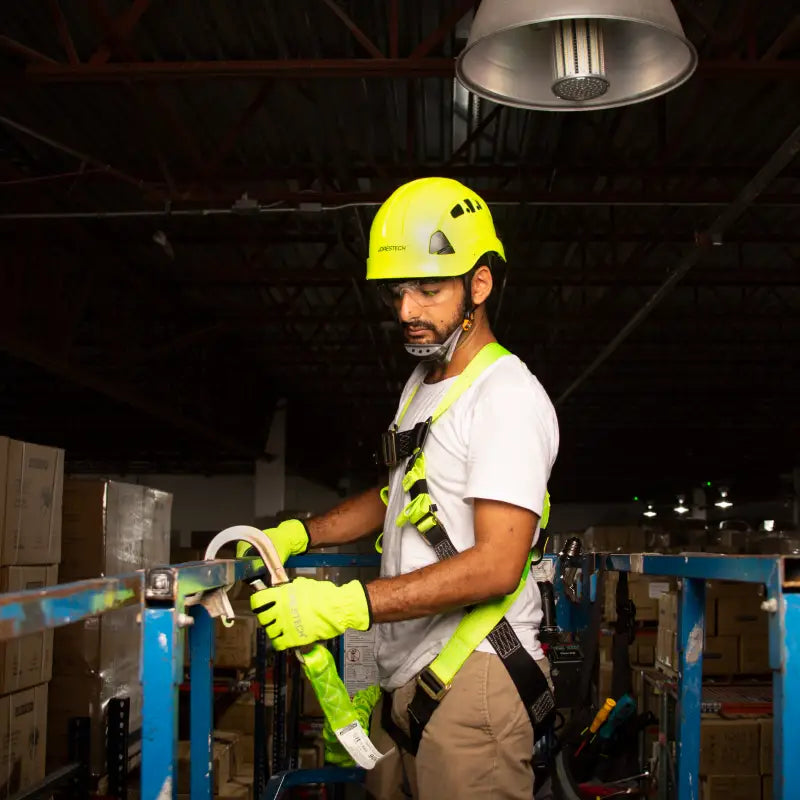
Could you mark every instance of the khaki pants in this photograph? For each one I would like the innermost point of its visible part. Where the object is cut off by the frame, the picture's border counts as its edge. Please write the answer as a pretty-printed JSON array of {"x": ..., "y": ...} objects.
[{"x": 478, "y": 743}]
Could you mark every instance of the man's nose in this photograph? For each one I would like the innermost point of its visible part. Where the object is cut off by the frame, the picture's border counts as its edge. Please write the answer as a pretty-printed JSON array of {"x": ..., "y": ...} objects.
[{"x": 407, "y": 308}]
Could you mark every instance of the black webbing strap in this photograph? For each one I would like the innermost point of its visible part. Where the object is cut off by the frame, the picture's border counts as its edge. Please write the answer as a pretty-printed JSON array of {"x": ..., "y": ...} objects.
[
  {"x": 522, "y": 668},
  {"x": 399, "y": 736}
]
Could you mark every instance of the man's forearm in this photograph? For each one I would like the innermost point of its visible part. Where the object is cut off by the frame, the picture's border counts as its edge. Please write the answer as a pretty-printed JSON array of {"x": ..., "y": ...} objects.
[
  {"x": 468, "y": 578},
  {"x": 353, "y": 519}
]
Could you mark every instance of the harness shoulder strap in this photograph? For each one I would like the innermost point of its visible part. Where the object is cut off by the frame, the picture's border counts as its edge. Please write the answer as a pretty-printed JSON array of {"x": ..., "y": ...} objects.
[{"x": 487, "y": 355}]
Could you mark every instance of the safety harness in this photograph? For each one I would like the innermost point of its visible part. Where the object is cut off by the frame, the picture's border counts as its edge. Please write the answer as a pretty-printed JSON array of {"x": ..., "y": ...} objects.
[{"x": 485, "y": 621}]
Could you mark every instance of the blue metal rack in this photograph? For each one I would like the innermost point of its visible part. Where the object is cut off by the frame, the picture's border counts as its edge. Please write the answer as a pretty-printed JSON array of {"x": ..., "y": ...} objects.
[{"x": 177, "y": 597}]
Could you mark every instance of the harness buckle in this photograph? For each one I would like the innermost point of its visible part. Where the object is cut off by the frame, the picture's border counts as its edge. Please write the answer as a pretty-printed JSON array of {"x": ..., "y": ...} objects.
[
  {"x": 388, "y": 450},
  {"x": 421, "y": 432},
  {"x": 431, "y": 685}
]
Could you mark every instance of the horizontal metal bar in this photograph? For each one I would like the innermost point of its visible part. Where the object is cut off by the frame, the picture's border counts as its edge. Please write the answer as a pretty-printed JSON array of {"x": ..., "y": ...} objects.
[
  {"x": 277, "y": 68},
  {"x": 48, "y": 782},
  {"x": 335, "y": 560},
  {"x": 39, "y": 609},
  {"x": 291, "y": 203},
  {"x": 175, "y": 582},
  {"x": 303, "y": 777},
  {"x": 748, "y": 569},
  {"x": 330, "y": 68}
]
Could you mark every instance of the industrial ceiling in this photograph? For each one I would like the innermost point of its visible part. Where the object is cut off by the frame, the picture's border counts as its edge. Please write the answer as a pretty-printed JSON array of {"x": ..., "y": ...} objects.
[{"x": 186, "y": 190}]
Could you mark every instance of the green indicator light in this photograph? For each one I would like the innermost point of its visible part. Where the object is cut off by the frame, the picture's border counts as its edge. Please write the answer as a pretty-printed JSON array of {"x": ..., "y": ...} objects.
[{"x": 635, "y": 499}]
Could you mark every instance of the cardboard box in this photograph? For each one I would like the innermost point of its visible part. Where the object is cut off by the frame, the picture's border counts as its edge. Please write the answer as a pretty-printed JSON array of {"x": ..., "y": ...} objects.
[
  {"x": 113, "y": 528},
  {"x": 614, "y": 538},
  {"x": 668, "y": 610},
  {"x": 646, "y": 654},
  {"x": 753, "y": 654},
  {"x": 224, "y": 761},
  {"x": 94, "y": 661},
  {"x": 240, "y": 715},
  {"x": 23, "y": 732},
  {"x": 27, "y": 660},
  {"x": 737, "y": 616},
  {"x": 765, "y": 745},
  {"x": 236, "y": 646},
  {"x": 247, "y": 750},
  {"x": 31, "y": 486},
  {"x": 731, "y": 787},
  {"x": 729, "y": 746},
  {"x": 667, "y": 649},
  {"x": 721, "y": 655}
]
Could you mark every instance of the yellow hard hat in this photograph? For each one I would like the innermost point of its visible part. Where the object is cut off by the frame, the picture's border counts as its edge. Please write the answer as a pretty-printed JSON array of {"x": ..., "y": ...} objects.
[{"x": 430, "y": 228}]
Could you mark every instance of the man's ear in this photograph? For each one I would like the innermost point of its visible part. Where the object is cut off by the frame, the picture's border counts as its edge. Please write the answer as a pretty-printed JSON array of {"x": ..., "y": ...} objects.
[{"x": 482, "y": 284}]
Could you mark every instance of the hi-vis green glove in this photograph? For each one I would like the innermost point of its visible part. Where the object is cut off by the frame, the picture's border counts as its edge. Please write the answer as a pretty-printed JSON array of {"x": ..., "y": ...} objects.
[
  {"x": 363, "y": 703},
  {"x": 305, "y": 611},
  {"x": 290, "y": 539}
]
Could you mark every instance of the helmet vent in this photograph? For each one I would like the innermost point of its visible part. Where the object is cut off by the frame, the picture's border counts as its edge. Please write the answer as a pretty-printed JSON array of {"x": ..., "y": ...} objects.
[
  {"x": 456, "y": 211},
  {"x": 439, "y": 245}
]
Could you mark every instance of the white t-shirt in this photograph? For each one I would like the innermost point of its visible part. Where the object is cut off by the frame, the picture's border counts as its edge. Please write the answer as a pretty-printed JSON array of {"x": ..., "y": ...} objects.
[{"x": 498, "y": 441}]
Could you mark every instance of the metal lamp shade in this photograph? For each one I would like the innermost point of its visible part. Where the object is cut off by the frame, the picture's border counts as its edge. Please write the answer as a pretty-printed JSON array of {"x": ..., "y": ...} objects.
[{"x": 575, "y": 55}]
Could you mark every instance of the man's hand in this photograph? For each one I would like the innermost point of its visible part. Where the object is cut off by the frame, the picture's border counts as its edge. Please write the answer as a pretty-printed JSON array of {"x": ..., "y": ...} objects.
[
  {"x": 290, "y": 539},
  {"x": 306, "y": 611}
]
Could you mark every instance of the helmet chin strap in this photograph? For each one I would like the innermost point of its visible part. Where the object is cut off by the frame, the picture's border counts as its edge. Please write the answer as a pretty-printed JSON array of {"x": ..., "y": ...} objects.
[
  {"x": 438, "y": 351},
  {"x": 442, "y": 352}
]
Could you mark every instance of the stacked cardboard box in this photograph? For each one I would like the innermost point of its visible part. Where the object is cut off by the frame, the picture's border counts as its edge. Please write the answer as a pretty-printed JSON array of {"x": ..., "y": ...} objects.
[
  {"x": 735, "y": 631},
  {"x": 615, "y": 538},
  {"x": 232, "y": 777},
  {"x": 109, "y": 528},
  {"x": 736, "y": 758},
  {"x": 31, "y": 485}
]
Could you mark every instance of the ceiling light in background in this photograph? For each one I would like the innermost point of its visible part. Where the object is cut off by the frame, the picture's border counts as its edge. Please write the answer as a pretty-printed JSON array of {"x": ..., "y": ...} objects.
[
  {"x": 723, "y": 501},
  {"x": 575, "y": 55},
  {"x": 681, "y": 508},
  {"x": 648, "y": 512},
  {"x": 768, "y": 525}
]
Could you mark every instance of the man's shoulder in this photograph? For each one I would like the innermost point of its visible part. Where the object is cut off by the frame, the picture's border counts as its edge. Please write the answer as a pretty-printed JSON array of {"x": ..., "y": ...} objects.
[{"x": 509, "y": 373}]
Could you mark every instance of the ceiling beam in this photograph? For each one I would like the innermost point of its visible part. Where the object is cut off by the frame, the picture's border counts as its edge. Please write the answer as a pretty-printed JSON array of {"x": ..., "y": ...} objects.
[
  {"x": 358, "y": 34},
  {"x": 30, "y": 55},
  {"x": 307, "y": 69},
  {"x": 63, "y": 31}
]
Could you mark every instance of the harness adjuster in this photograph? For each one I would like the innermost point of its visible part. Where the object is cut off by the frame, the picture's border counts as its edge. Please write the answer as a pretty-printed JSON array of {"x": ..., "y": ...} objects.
[
  {"x": 424, "y": 534},
  {"x": 431, "y": 685}
]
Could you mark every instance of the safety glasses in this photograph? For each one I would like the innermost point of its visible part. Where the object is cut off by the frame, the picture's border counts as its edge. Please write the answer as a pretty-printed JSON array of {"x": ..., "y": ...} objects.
[{"x": 421, "y": 292}]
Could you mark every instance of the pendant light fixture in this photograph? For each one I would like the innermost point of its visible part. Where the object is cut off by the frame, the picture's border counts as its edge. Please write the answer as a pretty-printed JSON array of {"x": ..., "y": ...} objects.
[{"x": 575, "y": 55}]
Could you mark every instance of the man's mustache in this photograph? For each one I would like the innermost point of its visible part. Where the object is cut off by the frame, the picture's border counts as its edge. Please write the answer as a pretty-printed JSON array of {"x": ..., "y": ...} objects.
[{"x": 418, "y": 324}]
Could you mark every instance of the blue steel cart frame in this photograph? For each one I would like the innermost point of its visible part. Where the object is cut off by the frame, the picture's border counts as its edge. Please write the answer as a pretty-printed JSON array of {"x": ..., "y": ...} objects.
[
  {"x": 165, "y": 595},
  {"x": 781, "y": 577}
]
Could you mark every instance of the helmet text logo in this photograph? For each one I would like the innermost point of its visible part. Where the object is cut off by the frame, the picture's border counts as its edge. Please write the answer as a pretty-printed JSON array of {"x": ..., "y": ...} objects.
[{"x": 391, "y": 247}]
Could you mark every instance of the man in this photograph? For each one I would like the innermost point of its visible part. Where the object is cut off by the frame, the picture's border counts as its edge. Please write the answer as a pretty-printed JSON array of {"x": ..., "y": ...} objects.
[{"x": 467, "y": 488}]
